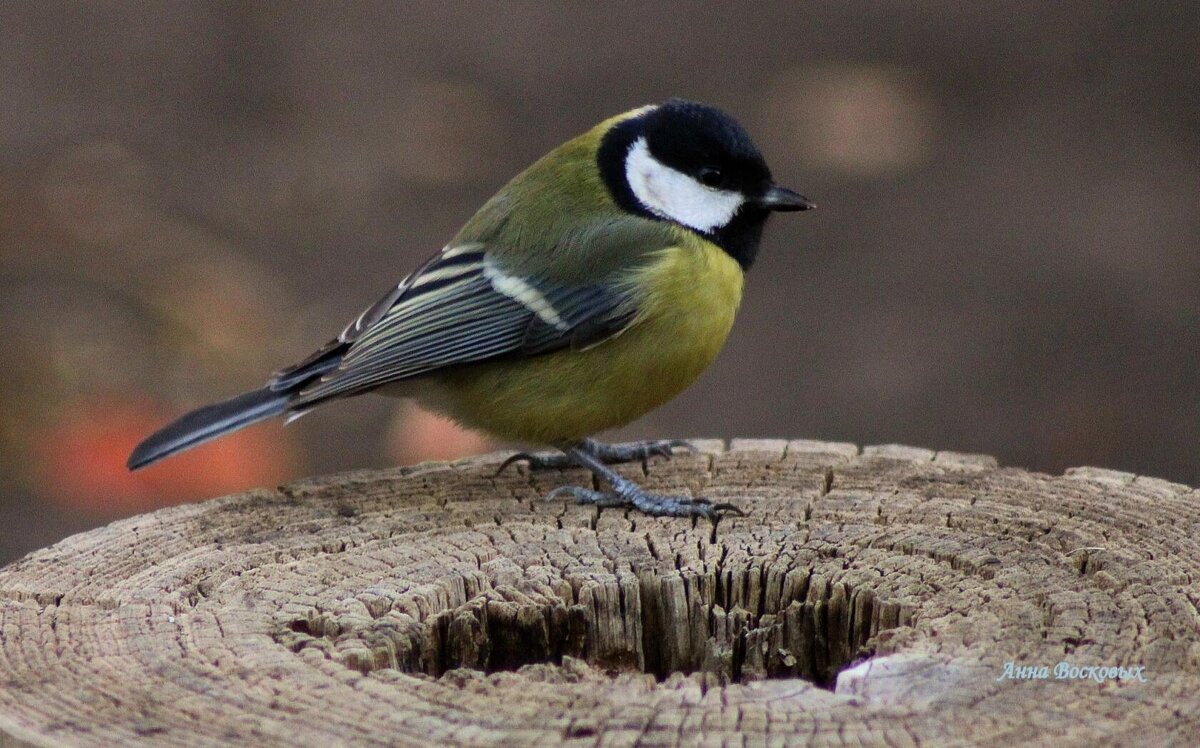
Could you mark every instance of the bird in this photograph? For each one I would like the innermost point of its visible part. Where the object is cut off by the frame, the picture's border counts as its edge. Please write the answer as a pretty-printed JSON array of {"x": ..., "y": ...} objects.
[{"x": 595, "y": 286}]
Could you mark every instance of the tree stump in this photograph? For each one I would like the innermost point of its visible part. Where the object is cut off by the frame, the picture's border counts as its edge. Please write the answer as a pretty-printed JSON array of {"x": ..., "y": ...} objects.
[{"x": 888, "y": 595}]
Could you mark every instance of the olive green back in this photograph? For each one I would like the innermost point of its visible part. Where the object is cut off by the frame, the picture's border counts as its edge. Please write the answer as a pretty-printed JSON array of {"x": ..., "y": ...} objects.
[{"x": 557, "y": 220}]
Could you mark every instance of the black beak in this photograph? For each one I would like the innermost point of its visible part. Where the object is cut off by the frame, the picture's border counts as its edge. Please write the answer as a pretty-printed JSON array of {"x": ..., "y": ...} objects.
[{"x": 783, "y": 199}]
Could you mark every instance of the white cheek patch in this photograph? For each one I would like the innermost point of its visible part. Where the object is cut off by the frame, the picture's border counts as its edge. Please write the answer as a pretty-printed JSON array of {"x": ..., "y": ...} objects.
[{"x": 669, "y": 193}]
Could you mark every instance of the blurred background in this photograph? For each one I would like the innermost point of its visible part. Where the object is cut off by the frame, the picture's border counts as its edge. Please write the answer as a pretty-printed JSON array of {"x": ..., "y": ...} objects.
[{"x": 195, "y": 194}]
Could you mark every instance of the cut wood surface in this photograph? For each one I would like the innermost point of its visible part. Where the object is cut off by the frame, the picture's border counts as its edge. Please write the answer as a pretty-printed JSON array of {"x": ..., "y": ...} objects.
[{"x": 869, "y": 596}]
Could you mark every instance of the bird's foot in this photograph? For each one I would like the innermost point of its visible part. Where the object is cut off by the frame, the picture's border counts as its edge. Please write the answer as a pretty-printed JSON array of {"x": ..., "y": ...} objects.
[
  {"x": 606, "y": 453},
  {"x": 596, "y": 456},
  {"x": 655, "y": 505}
]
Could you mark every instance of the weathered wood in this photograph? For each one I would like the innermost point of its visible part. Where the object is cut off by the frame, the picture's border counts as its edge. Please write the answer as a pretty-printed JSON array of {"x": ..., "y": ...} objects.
[{"x": 441, "y": 604}]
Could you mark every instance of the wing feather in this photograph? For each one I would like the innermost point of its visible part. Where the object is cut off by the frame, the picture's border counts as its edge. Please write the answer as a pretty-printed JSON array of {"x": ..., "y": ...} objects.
[{"x": 463, "y": 307}]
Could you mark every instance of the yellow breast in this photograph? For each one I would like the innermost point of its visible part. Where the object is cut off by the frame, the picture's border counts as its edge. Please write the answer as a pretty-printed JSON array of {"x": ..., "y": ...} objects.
[{"x": 692, "y": 292}]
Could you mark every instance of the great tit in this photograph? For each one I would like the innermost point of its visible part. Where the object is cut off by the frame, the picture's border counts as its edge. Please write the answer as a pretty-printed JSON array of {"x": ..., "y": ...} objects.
[{"x": 592, "y": 288}]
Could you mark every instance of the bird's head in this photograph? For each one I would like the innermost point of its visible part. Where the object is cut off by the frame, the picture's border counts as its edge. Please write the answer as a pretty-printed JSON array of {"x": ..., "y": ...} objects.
[{"x": 695, "y": 166}]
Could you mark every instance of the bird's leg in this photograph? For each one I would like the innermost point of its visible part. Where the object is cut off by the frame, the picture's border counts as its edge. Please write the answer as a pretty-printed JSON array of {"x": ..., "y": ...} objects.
[
  {"x": 627, "y": 493},
  {"x": 608, "y": 453}
]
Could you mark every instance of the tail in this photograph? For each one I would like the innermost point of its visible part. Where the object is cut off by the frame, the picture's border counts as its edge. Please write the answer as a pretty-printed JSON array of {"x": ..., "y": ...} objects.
[
  {"x": 207, "y": 423},
  {"x": 284, "y": 389}
]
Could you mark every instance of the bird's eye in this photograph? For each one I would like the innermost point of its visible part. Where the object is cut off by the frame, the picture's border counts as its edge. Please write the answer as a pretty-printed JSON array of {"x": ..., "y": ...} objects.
[{"x": 710, "y": 176}]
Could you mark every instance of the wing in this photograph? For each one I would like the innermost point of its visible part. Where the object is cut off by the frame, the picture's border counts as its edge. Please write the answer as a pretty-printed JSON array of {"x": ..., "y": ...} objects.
[
  {"x": 327, "y": 357},
  {"x": 462, "y": 306}
]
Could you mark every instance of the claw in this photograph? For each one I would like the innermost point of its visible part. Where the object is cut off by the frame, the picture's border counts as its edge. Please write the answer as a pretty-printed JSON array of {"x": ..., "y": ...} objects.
[
  {"x": 573, "y": 491},
  {"x": 514, "y": 458},
  {"x": 691, "y": 449},
  {"x": 663, "y": 449},
  {"x": 536, "y": 461},
  {"x": 726, "y": 507}
]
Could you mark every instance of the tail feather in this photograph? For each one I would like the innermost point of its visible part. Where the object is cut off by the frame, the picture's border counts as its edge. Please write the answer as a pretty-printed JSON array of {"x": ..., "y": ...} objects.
[{"x": 207, "y": 423}]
